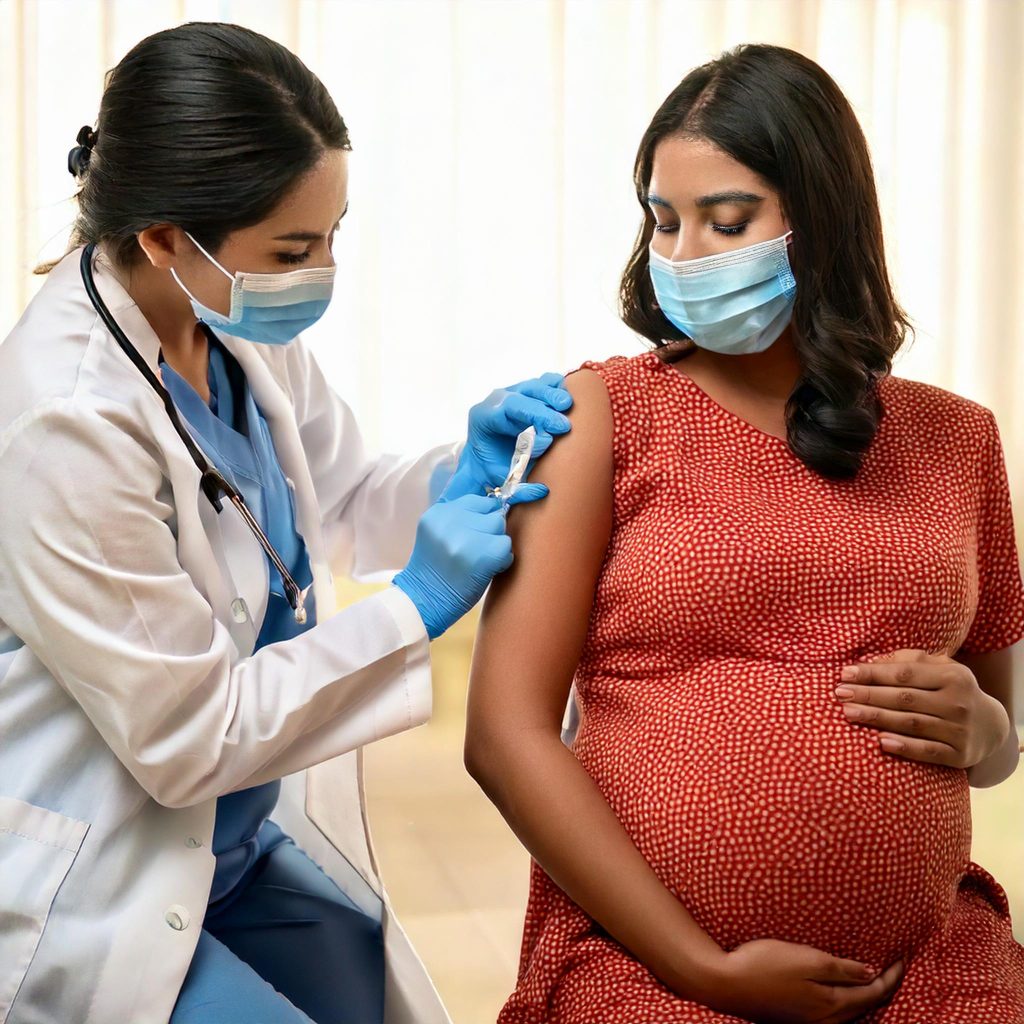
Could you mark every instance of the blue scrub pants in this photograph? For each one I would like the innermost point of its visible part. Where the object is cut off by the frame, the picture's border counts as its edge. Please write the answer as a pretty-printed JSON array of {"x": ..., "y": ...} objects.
[{"x": 286, "y": 947}]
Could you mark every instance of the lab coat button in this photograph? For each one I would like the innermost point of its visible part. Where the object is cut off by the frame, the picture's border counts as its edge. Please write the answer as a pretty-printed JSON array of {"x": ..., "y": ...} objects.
[
  {"x": 290, "y": 482},
  {"x": 192, "y": 843},
  {"x": 239, "y": 611},
  {"x": 177, "y": 917}
]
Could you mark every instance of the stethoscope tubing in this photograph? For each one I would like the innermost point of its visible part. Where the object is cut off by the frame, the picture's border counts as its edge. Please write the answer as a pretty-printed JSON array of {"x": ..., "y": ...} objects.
[{"x": 211, "y": 481}]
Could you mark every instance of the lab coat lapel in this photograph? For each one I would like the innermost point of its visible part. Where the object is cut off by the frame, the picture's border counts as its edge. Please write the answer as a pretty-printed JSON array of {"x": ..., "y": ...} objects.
[
  {"x": 340, "y": 843},
  {"x": 279, "y": 413},
  {"x": 124, "y": 310}
]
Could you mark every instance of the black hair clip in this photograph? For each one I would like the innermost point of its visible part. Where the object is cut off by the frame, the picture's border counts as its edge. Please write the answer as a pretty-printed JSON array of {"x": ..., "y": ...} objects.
[{"x": 78, "y": 157}]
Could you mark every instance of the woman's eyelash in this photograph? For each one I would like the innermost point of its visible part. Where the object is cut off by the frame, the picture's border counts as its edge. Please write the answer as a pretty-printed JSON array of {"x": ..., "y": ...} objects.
[
  {"x": 288, "y": 257},
  {"x": 722, "y": 229}
]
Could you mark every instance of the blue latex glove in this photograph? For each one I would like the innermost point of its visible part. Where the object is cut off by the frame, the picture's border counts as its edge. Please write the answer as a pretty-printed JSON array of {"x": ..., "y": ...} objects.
[
  {"x": 461, "y": 544},
  {"x": 494, "y": 425}
]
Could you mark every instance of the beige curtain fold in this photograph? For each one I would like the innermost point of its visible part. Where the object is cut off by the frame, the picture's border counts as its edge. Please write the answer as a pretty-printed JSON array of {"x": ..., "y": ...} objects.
[{"x": 491, "y": 199}]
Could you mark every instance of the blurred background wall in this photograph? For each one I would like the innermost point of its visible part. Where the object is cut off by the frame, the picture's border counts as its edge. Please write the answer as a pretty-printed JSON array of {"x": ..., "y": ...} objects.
[{"x": 491, "y": 213}]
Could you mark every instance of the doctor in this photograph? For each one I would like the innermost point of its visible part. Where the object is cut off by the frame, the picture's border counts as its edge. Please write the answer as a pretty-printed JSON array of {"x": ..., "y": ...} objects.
[{"x": 182, "y": 831}]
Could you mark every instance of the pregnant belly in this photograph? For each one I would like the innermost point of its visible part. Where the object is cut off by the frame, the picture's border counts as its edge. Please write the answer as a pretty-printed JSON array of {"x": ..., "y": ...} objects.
[{"x": 771, "y": 816}]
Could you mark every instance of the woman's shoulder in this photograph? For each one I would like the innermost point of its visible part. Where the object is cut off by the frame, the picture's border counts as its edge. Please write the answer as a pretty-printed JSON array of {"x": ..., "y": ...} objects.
[
  {"x": 617, "y": 400},
  {"x": 933, "y": 410},
  {"x": 622, "y": 367},
  {"x": 42, "y": 355},
  {"x": 583, "y": 455},
  {"x": 629, "y": 381},
  {"x": 59, "y": 350}
]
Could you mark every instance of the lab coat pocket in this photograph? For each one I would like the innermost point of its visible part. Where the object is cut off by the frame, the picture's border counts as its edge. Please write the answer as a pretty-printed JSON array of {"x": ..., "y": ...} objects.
[{"x": 37, "y": 849}]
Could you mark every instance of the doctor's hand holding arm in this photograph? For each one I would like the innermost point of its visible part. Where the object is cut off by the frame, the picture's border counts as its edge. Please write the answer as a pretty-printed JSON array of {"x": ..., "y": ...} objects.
[
  {"x": 461, "y": 543},
  {"x": 496, "y": 422}
]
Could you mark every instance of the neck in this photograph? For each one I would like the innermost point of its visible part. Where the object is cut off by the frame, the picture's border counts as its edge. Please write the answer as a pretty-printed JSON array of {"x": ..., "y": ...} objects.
[
  {"x": 168, "y": 311},
  {"x": 771, "y": 374}
]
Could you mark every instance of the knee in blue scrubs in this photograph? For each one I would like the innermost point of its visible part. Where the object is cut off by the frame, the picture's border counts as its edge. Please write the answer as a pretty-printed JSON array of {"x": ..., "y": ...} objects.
[
  {"x": 221, "y": 989},
  {"x": 288, "y": 947},
  {"x": 304, "y": 936}
]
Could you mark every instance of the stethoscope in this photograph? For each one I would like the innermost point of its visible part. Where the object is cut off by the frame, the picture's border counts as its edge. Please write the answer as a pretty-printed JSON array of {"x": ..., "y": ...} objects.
[{"x": 211, "y": 481}]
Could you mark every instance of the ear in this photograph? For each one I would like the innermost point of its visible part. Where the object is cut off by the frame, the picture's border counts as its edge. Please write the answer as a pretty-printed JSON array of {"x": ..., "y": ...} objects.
[
  {"x": 164, "y": 244},
  {"x": 784, "y": 213}
]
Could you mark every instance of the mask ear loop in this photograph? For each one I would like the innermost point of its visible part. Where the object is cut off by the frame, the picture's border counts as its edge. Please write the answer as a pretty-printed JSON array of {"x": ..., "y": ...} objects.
[
  {"x": 231, "y": 277},
  {"x": 226, "y": 273},
  {"x": 178, "y": 281}
]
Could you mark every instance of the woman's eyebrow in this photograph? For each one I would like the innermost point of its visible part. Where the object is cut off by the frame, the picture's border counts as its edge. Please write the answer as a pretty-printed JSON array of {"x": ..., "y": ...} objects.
[
  {"x": 726, "y": 197},
  {"x": 299, "y": 236},
  {"x": 306, "y": 236},
  {"x": 654, "y": 200}
]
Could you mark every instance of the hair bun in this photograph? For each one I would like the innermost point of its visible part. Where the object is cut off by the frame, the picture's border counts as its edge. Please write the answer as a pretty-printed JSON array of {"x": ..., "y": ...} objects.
[{"x": 78, "y": 157}]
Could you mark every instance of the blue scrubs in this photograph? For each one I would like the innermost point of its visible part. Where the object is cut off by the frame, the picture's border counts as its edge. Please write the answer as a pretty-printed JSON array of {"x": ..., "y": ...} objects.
[{"x": 281, "y": 943}]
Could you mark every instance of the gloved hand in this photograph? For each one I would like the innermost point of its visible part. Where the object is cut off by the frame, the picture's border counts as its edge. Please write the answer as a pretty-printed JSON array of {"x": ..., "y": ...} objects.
[
  {"x": 494, "y": 425},
  {"x": 461, "y": 544}
]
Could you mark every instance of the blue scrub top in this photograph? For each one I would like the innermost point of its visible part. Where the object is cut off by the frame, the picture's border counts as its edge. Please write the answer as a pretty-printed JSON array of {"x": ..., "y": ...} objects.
[{"x": 233, "y": 433}]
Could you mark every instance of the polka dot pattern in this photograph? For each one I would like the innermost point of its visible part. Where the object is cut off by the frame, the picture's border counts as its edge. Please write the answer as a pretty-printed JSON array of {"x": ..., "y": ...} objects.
[{"x": 736, "y": 585}]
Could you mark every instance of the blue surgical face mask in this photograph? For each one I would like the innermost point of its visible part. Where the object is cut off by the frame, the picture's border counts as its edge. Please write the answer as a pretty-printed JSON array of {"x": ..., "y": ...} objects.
[
  {"x": 736, "y": 303},
  {"x": 268, "y": 308}
]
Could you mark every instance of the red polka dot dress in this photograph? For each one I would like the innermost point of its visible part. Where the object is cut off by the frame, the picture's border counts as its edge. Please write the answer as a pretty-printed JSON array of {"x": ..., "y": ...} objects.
[{"x": 736, "y": 585}]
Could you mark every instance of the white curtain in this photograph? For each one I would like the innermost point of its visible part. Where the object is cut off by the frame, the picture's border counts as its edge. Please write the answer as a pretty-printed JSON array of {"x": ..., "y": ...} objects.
[{"x": 491, "y": 197}]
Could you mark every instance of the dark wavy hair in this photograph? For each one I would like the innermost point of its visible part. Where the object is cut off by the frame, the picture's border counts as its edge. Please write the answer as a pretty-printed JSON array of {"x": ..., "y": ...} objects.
[
  {"x": 207, "y": 126},
  {"x": 781, "y": 115}
]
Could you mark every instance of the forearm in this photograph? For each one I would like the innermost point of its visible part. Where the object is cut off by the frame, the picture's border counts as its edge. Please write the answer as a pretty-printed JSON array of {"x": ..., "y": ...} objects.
[
  {"x": 560, "y": 815},
  {"x": 442, "y": 473},
  {"x": 370, "y": 535},
  {"x": 999, "y": 765}
]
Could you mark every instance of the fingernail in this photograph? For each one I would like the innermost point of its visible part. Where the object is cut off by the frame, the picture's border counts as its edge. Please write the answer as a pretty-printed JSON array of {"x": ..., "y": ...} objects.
[
  {"x": 849, "y": 672},
  {"x": 844, "y": 692},
  {"x": 867, "y": 973},
  {"x": 890, "y": 746}
]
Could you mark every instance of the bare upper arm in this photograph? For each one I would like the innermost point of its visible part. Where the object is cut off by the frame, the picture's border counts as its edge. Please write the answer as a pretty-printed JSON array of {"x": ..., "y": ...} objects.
[{"x": 536, "y": 614}]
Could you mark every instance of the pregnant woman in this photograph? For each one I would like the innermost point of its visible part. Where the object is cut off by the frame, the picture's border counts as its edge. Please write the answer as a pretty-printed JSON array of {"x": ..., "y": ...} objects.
[{"x": 785, "y": 585}]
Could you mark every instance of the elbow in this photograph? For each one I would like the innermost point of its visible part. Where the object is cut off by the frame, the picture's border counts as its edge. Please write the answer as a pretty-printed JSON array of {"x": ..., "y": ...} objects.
[
  {"x": 474, "y": 758},
  {"x": 483, "y": 758},
  {"x": 498, "y": 758},
  {"x": 176, "y": 785},
  {"x": 177, "y": 799}
]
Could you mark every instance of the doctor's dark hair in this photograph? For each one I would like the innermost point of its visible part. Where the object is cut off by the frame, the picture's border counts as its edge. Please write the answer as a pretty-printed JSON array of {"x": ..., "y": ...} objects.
[
  {"x": 778, "y": 113},
  {"x": 207, "y": 126}
]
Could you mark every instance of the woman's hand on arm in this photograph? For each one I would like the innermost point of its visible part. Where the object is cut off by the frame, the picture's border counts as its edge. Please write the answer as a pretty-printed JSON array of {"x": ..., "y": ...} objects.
[
  {"x": 532, "y": 632},
  {"x": 937, "y": 710},
  {"x": 994, "y": 673}
]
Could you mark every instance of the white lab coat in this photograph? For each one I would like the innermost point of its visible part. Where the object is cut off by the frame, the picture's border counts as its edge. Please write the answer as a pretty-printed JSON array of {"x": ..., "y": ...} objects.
[{"x": 130, "y": 697}]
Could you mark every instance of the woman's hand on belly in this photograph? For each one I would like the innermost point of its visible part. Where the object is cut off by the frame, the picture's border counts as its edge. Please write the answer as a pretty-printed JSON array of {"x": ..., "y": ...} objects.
[
  {"x": 928, "y": 708},
  {"x": 773, "y": 982}
]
